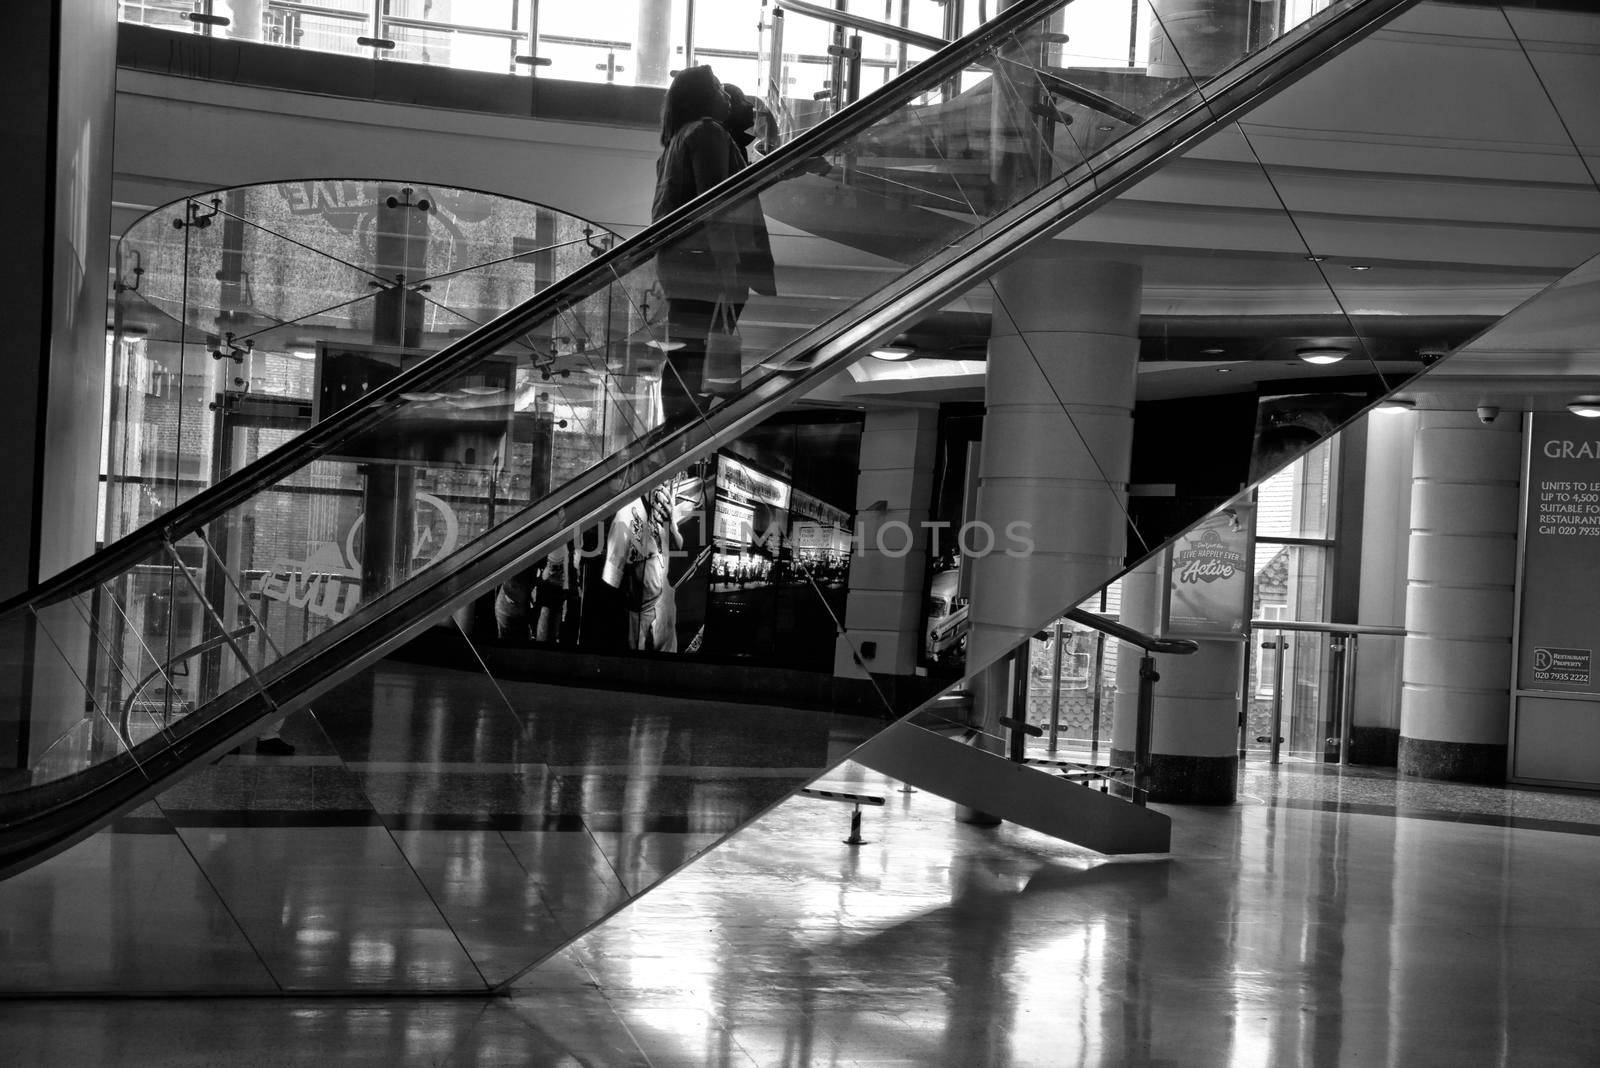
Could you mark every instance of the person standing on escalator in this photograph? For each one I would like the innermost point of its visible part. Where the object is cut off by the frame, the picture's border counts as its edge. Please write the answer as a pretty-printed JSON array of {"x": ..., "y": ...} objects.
[{"x": 704, "y": 267}]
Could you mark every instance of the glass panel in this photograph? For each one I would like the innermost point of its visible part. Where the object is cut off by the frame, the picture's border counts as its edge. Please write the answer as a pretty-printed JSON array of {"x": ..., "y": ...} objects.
[
  {"x": 1308, "y": 728},
  {"x": 462, "y": 48},
  {"x": 1297, "y": 501},
  {"x": 307, "y": 290},
  {"x": 1291, "y": 582},
  {"x": 424, "y": 476},
  {"x": 334, "y": 27},
  {"x": 629, "y": 353}
]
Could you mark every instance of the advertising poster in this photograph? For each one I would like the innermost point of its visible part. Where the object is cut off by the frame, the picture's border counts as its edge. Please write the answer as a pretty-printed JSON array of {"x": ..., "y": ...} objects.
[
  {"x": 1561, "y": 556},
  {"x": 1208, "y": 586}
]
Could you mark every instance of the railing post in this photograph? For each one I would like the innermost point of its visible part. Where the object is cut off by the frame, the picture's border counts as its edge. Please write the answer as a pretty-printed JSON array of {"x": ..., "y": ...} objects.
[
  {"x": 1148, "y": 677},
  {"x": 852, "y": 82},
  {"x": 1055, "y": 692},
  {"x": 1098, "y": 677},
  {"x": 1338, "y": 680},
  {"x": 1277, "y": 700},
  {"x": 1019, "y": 702},
  {"x": 1348, "y": 702},
  {"x": 777, "y": 103}
]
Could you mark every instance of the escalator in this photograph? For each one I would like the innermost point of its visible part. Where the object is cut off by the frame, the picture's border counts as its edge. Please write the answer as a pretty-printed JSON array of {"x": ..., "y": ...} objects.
[{"x": 92, "y": 658}]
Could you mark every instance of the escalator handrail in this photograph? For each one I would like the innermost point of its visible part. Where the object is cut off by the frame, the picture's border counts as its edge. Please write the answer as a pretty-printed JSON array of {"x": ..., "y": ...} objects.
[
  {"x": 1124, "y": 633},
  {"x": 208, "y": 504}
]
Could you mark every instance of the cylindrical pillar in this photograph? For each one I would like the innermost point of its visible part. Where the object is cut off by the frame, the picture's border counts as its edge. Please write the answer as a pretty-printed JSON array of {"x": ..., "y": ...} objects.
[
  {"x": 887, "y": 570},
  {"x": 1199, "y": 38},
  {"x": 1051, "y": 518},
  {"x": 1460, "y": 597},
  {"x": 1386, "y": 508},
  {"x": 653, "y": 46},
  {"x": 246, "y": 15},
  {"x": 1194, "y": 736}
]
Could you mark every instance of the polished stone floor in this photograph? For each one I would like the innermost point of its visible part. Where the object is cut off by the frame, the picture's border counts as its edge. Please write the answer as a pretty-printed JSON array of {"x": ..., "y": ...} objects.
[{"x": 1326, "y": 919}]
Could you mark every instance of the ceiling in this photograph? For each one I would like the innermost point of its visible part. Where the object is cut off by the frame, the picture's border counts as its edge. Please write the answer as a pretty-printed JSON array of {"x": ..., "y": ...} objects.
[{"x": 1397, "y": 202}]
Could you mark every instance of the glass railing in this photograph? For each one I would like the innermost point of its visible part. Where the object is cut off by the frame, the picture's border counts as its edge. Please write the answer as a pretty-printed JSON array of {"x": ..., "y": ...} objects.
[
  {"x": 242, "y": 316},
  {"x": 593, "y": 816},
  {"x": 267, "y": 589},
  {"x": 320, "y": 538},
  {"x": 620, "y": 42}
]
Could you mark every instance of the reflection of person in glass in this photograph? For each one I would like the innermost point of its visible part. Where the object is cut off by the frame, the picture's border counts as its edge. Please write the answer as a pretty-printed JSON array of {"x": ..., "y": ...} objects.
[
  {"x": 703, "y": 267},
  {"x": 638, "y": 549}
]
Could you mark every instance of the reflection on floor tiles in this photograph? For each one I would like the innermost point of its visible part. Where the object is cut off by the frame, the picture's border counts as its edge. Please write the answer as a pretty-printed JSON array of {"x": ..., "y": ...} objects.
[
  {"x": 423, "y": 837},
  {"x": 1273, "y": 935}
]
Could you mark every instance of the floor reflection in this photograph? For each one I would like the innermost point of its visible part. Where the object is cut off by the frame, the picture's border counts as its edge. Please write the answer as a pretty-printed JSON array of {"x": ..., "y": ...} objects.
[
  {"x": 433, "y": 831},
  {"x": 1278, "y": 932}
]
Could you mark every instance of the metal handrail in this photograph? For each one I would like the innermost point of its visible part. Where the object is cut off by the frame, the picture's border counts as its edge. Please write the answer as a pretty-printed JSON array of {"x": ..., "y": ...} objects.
[
  {"x": 207, "y": 505},
  {"x": 1326, "y": 628},
  {"x": 1122, "y": 632},
  {"x": 452, "y": 27},
  {"x": 857, "y": 22},
  {"x": 320, "y": 12},
  {"x": 1347, "y": 637}
]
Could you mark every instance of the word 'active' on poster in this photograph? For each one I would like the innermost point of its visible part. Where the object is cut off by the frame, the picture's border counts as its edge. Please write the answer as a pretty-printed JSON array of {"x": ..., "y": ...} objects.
[{"x": 1569, "y": 509}]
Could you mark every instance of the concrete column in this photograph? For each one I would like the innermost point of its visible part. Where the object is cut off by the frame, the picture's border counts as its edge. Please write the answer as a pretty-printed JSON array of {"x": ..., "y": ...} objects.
[
  {"x": 1051, "y": 521},
  {"x": 1386, "y": 507},
  {"x": 653, "y": 46},
  {"x": 1460, "y": 597},
  {"x": 246, "y": 15},
  {"x": 59, "y": 85},
  {"x": 1194, "y": 737},
  {"x": 889, "y": 567}
]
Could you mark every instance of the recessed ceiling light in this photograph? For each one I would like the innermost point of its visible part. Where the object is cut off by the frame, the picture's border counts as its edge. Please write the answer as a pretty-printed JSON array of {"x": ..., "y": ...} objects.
[
  {"x": 1588, "y": 407},
  {"x": 1316, "y": 259},
  {"x": 893, "y": 352},
  {"x": 1322, "y": 354},
  {"x": 1212, "y": 352},
  {"x": 1105, "y": 127},
  {"x": 1224, "y": 370},
  {"x": 664, "y": 346},
  {"x": 1361, "y": 267},
  {"x": 1395, "y": 404}
]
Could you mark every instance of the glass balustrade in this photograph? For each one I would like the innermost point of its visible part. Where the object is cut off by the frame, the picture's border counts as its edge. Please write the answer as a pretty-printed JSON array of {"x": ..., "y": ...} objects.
[{"x": 412, "y": 494}]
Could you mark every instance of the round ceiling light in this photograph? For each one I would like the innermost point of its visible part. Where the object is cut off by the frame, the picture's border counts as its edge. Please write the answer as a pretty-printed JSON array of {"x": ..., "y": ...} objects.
[
  {"x": 1588, "y": 407},
  {"x": 1322, "y": 354},
  {"x": 893, "y": 352}
]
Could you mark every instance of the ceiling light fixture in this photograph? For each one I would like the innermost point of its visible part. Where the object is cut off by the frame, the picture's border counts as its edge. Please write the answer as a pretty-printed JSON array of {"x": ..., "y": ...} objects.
[
  {"x": 1588, "y": 407},
  {"x": 893, "y": 352},
  {"x": 1395, "y": 404},
  {"x": 1212, "y": 352},
  {"x": 1324, "y": 354},
  {"x": 1316, "y": 259},
  {"x": 1361, "y": 267}
]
